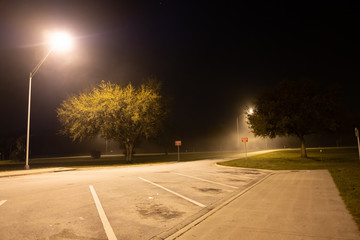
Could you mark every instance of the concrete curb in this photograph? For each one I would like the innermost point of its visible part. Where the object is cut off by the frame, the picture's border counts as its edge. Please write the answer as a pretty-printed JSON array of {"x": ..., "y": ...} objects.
[
  {"x": 250, "y": 169},
  {"x": 17, "y": 173}
]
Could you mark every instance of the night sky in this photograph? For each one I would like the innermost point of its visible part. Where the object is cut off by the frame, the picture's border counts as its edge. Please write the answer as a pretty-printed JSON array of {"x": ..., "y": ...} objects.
[{"x": 211, "y": 56}]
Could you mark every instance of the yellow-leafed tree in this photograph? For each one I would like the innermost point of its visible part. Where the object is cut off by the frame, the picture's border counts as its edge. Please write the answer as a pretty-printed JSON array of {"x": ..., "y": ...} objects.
[{"x": 123, "y": 114}]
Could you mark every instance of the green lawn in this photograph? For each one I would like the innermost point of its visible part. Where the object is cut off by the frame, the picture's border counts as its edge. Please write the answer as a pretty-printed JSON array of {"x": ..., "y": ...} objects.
[{"x": 342, "y": 163}]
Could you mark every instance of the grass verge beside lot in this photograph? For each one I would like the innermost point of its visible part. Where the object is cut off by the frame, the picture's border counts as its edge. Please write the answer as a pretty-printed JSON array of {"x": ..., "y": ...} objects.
[{"x": 342, "y": 163}]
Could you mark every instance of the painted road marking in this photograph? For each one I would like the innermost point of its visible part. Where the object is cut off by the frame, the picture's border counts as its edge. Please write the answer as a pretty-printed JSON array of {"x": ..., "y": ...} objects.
[
  {"x": 2, "y": 202},
  {"x": 175, "y": 193},
  {"x": 108, "y": 229},
  {"x": 205, "y": 180}
]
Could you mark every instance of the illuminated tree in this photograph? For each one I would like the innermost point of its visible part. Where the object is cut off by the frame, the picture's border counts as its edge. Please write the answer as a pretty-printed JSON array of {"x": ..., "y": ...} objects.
[
  {"x": 123, "y": 114},
  {"x": 295, "y": 109}
]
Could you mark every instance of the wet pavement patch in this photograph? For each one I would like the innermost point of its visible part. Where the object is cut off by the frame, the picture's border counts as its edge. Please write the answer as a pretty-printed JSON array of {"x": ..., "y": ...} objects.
[
  {"x": 211, "y": 190},
  {"x": 69, "y": 234},
  {"x": 238, "y": 180},
  {"x": 158, "y": 211},
  {"x": 229, "y": 172}
]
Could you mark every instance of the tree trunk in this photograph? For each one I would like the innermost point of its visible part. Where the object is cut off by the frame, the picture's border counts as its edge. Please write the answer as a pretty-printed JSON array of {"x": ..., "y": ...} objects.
[
  {"x": 129, "y": 149},
  {"x": 303, "y": 149}
]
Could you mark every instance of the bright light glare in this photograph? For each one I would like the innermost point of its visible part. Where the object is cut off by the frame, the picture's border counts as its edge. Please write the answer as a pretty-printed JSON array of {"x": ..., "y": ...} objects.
[
  {"x": 251, "y": 111},
  {"x": 60, "y": 41}
]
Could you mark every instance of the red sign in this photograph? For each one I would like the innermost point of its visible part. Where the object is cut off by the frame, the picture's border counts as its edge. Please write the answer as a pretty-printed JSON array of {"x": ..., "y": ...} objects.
[
  {"x": 177, "y": 143},
  {"x": 244, "y": 139}
]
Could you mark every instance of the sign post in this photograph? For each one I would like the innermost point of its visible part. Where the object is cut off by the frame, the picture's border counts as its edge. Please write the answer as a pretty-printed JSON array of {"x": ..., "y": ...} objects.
[
  {"x": 178, "y": 144},
  {"x": 245, "y": 140},
  {"x": 357, "y": 136}
]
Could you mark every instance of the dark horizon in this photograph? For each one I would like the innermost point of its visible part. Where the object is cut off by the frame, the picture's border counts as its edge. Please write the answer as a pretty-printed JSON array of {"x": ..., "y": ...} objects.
[{"x": 211, "y": 58}]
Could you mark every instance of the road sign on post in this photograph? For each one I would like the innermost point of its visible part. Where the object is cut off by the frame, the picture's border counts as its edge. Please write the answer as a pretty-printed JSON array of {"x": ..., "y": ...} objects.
[
  {"x": 245, "y": 140},
  {"x": 178, "y": 144}
]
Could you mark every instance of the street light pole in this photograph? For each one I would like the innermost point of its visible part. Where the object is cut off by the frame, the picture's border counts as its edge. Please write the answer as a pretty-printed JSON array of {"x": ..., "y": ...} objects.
[
  {"x": 358, "y": 142},
  {"x": 28, "y": 126},
  {"x": 32, "y": 74},
  {"x": 238, "y": 133},
  {"x": 58, "y": 41}
]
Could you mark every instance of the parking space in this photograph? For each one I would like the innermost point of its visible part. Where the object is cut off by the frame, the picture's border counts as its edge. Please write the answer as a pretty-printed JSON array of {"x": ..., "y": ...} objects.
[
  {"x": 199, "y": 191},
  {"x": 136, "y": 202},
  {"x": 135, "y": 208},
  {"x": 53, "y": 214}
]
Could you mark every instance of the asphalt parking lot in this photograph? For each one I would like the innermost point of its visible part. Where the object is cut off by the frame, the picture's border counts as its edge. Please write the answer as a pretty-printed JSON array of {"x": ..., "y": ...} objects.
[{"x": 138, "y": 202}]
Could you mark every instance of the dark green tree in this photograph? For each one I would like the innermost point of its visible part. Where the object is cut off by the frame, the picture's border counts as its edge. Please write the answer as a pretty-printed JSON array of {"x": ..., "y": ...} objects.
[
  {"x": 296, "y": 109},
  {"x": 18, "y": 149},
  {"x": 123, "y": 114}
]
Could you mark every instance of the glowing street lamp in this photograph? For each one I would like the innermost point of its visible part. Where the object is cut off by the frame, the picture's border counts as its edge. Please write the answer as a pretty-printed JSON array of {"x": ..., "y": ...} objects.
[
  {"x": 250, "y": 111},
  {"x": 58, "y": 42}
]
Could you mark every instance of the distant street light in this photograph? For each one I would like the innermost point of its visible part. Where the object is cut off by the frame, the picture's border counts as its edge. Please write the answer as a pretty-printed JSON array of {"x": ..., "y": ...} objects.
[
  {"x": 250, "y": 112},
  {"x": 58, "y": 41}
]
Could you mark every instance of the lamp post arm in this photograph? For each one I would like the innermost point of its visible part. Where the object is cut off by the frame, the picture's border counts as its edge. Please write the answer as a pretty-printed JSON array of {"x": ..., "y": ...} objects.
[{"x": 36, "y": 68}]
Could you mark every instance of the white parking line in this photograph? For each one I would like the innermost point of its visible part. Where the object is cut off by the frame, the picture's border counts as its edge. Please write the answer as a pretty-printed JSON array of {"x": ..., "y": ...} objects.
[
  {"x": 205, "y": 180},
  {"x": 108, "y": 229},
  {"x": 175, "y": 193},
  {"x": 2, "y": 202}
]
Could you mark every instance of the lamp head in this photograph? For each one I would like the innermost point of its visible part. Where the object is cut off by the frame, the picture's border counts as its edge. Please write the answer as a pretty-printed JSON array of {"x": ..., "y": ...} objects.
[
  {"x": 251, "y": 111},
  {"x": 60, "y": 41}
]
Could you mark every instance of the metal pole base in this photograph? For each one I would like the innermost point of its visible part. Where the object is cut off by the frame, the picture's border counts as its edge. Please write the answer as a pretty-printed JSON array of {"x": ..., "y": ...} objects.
[{"x": 27, "y": 167}]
